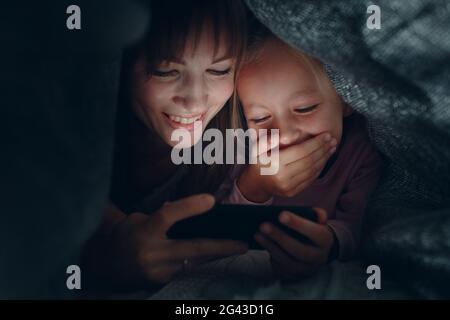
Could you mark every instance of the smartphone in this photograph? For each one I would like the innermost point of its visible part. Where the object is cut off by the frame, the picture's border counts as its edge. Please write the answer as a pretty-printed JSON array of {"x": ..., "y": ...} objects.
[{"x": 237, "y": 222}]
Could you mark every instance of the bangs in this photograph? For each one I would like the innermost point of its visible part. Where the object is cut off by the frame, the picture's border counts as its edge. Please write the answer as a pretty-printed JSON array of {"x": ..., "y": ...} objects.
[{"x": 174, "y": 21}]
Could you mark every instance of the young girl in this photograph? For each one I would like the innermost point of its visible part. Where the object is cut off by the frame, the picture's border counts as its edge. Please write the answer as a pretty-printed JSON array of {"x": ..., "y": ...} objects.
[
  {"x": 325, "y": 158},
  {"x": 183, "y": 71}
]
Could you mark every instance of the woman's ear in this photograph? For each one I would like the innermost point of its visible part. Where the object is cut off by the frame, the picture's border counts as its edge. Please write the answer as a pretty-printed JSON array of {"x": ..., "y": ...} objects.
[{"x": 347, "y": 110}]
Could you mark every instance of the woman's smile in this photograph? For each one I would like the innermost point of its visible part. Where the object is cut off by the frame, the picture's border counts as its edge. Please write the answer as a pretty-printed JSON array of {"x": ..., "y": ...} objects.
[{"x": 183, "y": 121}]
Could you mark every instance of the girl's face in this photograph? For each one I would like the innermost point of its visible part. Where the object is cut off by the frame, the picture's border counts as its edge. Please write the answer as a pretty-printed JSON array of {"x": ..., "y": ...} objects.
[
  {"x": 281, "y": 91},
  {"x": 178, "y": 93}
]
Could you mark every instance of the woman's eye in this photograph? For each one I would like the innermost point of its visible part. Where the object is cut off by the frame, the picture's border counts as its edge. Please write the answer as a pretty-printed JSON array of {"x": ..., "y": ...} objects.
[
  {"x": 260, "y": 120},
  {"x": 165, "y": 74},
  {"x": 306, "y": 109},
  {"x": 219, "y": 72}
]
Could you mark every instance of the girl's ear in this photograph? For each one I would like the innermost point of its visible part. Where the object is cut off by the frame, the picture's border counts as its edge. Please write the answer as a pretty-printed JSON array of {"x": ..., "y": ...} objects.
[{"x": 347, "y": 110}]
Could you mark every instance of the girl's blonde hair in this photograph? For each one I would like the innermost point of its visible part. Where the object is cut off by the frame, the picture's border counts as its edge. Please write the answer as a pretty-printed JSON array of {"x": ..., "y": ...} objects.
[{"x": 259, "y": 35}]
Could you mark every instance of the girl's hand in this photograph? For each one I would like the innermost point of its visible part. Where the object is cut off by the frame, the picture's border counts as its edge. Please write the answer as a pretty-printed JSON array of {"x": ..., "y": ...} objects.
[
  {"x": 140, "y": 252},
  {"x": 291, "y": 258},
  {"x": 299, "y": 166}
]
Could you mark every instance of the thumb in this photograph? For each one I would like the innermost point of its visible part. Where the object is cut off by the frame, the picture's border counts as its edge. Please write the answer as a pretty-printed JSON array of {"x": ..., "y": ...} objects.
[{"x": 171, "y": 212}]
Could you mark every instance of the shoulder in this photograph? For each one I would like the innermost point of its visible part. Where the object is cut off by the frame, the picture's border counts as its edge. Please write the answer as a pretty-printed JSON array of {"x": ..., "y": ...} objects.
[{"x": 357, "y": 146}]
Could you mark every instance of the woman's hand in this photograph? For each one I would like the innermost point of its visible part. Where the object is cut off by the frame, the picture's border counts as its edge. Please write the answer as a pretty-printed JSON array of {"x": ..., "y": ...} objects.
[
  {"x": 291, "y": 258},
  {"x": 140, "y": 252},
  {"x": 299, "y": 166}
]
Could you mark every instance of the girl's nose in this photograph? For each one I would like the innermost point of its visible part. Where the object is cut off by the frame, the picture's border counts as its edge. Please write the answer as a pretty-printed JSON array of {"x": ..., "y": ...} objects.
[{"x": 289, "y": 133}]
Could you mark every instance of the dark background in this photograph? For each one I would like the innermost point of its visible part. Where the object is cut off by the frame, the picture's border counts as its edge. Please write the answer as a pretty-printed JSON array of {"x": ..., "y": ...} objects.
[{"x": 58, "y": 102}]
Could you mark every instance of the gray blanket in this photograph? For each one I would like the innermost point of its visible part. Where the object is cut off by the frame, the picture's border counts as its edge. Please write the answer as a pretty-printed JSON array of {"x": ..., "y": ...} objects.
[
  {"x": 398, "y": 77},
  {"x": 250, "y": 276}
]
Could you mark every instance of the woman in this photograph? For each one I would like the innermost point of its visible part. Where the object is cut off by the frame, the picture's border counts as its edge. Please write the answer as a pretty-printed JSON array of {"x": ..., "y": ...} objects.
[{"x": 184, "y": 70}]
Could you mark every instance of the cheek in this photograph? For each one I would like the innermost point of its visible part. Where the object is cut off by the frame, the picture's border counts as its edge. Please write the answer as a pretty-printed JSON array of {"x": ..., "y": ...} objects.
[
  {"x": 155, "y": 96},
  {"x": 251, "y": 125},
  {"x": 326, "y": 122},
  {"x": 145, "y": 91},
  {"x": 247, "y": 92},
  {"x": 221, "y": 92}
]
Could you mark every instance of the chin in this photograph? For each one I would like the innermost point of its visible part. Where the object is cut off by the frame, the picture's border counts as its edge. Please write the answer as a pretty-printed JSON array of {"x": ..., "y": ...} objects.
[
  {"x": 170, "y": 143},
  {"x": 182, "y": 143}
]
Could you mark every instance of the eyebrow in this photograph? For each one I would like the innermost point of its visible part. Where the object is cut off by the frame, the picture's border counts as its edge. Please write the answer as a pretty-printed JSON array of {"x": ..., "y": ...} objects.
[
  {"x": 182, "y": 62},
  {"x": 256, "y": 105},
  {"x": 226, "y": 57},
  {"x": 301, "y": 93},
  {"x": 296, "y": 95}
]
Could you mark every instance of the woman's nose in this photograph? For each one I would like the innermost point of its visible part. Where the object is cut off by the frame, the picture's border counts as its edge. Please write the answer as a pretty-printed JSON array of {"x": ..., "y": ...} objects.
[{"x": 192, "y": 95}]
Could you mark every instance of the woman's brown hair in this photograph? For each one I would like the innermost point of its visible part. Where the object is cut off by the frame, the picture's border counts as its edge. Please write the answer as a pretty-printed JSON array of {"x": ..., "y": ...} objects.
[{"x": 171, "y": 23}]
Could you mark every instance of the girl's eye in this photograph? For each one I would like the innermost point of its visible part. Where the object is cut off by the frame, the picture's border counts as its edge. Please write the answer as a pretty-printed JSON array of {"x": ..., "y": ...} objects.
[
  {"x": 219, "y": 72},
  {"x": 260, "y": 120},
  {"x": 306, "y": 109},
  {"x": 165, "y": 74}
]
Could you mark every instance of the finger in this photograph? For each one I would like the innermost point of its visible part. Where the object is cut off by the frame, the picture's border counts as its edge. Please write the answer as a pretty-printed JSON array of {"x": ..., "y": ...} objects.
[
  {"x": 283, "y": 260},
  {"x": 172, "y": 212},
  {"x": 293, "y": 247},
  {"x": 322, "y": 216},
  {"x": 310, "y": 229},
  {"x": 265, "y": 143},
  {"x": 316, "y": 160},
  {"x": 303, "y": 177},
  {"x": 302, "y": 174},
  {"x": 276, "y": 252},
  {"x": 202, "y": 248},
  {"x": 302, "y": 181},
  {"x": 304, "y": 149}
]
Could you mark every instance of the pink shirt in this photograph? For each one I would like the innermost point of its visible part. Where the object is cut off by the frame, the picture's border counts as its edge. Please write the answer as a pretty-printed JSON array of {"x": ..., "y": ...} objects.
[{"x": 342, "y": 191}]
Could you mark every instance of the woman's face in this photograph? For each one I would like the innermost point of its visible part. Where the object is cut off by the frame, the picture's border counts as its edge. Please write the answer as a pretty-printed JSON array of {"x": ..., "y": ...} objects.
[
  {"x": 179, "y": 93},
  {"x": 281, "y": 91}
]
